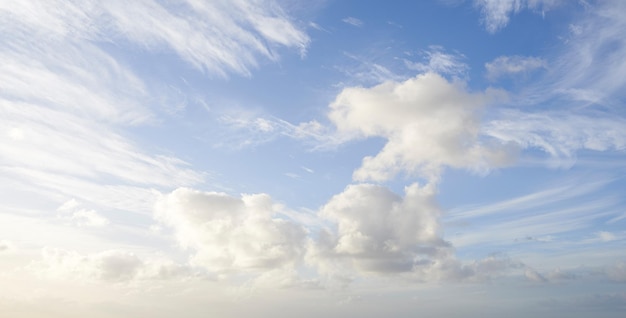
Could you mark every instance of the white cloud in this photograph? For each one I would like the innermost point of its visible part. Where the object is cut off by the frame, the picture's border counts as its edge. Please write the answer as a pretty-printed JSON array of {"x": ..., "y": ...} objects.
[
  {"x": 353, "y": 21},
  {"x": 71, "y": 210},
  {"x": 537, "y": 217},
  {"x": 512, "y": 66},
  {"x": 428, "y": 123},
  {"x": 534, "y": 276},
  {"x": 496, "y": 13},
  {"x": 559, "y": 134},
  {"x": 379, "y": 231},
  {"x": 438, "y": 61},
  {"x": 367, "y": 69},
  {"x": 373, "y": 231},
  {"x": 60, "y": 142},
  {"x": 606, "y": 236},
  {"x": 220, "y": 37},
  {"x": 110, "y": 266},
  {"x": 229, "y": 234},
  {"x": 591, "y": 66}
]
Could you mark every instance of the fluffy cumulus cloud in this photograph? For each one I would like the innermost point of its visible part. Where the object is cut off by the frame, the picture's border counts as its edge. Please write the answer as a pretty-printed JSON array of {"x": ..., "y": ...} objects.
[
  {"x": 428, "y": 122},
  {"x": 379, "y": 231},
  {"x": 231, "y": 234},
  {"x": 513, "y": 65}
]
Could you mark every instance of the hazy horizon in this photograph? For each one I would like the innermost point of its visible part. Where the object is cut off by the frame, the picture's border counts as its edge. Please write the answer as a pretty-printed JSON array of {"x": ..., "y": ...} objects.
[{"x": 326, "y": 158}]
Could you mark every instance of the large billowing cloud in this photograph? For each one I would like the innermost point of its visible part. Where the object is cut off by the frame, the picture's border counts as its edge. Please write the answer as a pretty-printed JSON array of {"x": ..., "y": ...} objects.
[
  {"x": 379, "y": 231},
  {"x": 230, "y": 234},
  {"x": 428, "y": 122}
]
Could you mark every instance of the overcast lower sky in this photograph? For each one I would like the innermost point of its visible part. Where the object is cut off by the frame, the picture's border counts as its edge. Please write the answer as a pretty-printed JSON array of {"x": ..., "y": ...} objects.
[{"x": 349, "y": 158}]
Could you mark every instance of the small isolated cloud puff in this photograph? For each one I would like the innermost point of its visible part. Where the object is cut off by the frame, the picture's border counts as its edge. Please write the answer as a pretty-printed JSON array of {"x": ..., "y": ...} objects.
[
  {"x": 379, "y": 231},
  {"x": 428, "y": 123},
  {"x": 71, "y": 210},
  {"x": 230, "y": 234},
  {"x": 513, "y": 65}
]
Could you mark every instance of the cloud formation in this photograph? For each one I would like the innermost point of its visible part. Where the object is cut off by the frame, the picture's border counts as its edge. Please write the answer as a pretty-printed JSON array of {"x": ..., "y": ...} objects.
[
  {"x": 378, "y": 231},
  {"x": 560, "y": 134},
  {"x": 513, "y": 65},
  {"x": 428, "y": 123},
  {"x": 230, "y": 234},
  {"x": 115, "y": 266},
  {"x": 436, "y": 60},
  {"x": 72, "y": 211},
  {"x": 219, "y": 37},
  {"x": 497, "y": 13},
  {"x": 353, "y": 21}
]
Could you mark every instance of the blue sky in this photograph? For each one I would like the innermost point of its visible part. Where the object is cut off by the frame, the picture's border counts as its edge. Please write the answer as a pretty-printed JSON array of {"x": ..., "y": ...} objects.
[{"x": 317, "y": 158}]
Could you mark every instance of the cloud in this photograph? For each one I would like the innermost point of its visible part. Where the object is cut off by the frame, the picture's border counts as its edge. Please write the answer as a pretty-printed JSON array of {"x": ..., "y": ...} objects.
[
  {"x": 115, "y": 266},
  {"x": 428, "y": 123},
  {"x": 536, "y": 218},
  {"x": 617, "y": 272},
  {"x": 534, "y": 276},
  {"x": 605, "y": 236},
  {"x": 229, "y": 234},
  {"x": 440, "y": 62},
  {"x": 6, "y": 247},
  {"x": 591, "y": 66},
  {"x": 72, "y": 211},
  {"x": 559, "y": 133},
  {"x": 496, "y": 13},
  {"x": 219, "y": 37},
  {"x": 582, "y": 89},
  {"x": 512, "y": 66},
  {"x": 371, "y": 231},
  {"x": 379, "y": 231},
  {"x": 353, "y": 21}
]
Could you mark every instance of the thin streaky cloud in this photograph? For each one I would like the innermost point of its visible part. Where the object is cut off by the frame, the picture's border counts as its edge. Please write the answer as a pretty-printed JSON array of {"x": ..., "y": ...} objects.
[{"x": 353, "y": 21}]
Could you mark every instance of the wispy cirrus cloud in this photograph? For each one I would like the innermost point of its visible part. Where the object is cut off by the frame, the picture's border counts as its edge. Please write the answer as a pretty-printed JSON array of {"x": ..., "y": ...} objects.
[
  {"x": 219, "y": 37},
  {"x": 542, "y": 216},
  {"x": 437, "y": 60},
  {"x": 497, "y": 13},
  {"x": 353, "y": 21}
]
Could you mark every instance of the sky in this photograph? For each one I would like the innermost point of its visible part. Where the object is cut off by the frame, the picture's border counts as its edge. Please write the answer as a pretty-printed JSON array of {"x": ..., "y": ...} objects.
[{"x": 335, "y": 158}]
